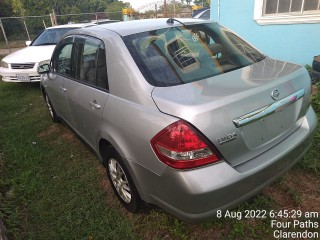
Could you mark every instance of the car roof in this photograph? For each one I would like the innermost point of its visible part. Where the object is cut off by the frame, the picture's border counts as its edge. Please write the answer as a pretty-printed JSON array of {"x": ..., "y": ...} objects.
[
  {"x": 73, "y": 25},
  {"x": 137, "y": 26}
]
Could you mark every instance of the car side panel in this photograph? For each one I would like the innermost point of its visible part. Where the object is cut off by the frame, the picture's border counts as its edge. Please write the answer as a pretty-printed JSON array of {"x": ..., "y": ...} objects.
[
  {"x": 125, "y": 79},
  {"x": 129, "y": 127},
  {"x": 86, "y": 106},
  {"x": 131, "y": 118},
  {"x": 195, "y": 195},
  {"x": 56, "y": 86}
]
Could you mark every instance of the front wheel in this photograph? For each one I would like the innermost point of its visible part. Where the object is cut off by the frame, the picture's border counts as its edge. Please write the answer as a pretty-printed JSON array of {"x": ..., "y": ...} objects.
[{"x": 121, "y": 182}]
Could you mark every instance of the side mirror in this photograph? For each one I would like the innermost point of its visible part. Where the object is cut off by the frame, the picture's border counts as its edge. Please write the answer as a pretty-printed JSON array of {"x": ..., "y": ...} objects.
[
  {"x": 28, "y": 43},
  {"x": 43, "y": 68}
]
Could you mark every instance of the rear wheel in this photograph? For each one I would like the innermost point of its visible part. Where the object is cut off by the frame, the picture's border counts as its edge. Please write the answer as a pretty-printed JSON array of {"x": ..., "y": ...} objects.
[
  {"x": 51, "y": 110},
  {"x": 121, "y": 182}
]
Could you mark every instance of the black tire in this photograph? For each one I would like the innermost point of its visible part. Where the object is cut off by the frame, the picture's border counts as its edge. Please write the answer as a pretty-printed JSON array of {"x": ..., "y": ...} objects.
[
  {"x": 121, "y": 181},
  {"x": 52, "y": 112}
]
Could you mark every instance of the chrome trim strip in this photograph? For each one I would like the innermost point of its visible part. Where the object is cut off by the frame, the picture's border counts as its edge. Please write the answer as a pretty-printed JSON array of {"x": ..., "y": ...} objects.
[{"x": 268, "y": 110}]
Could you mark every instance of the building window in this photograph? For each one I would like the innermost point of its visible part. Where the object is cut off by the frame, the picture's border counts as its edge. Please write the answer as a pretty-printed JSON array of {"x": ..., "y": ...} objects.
[
  {"x": 286, "y": 11},
  {"x": 290, "y": 6}
]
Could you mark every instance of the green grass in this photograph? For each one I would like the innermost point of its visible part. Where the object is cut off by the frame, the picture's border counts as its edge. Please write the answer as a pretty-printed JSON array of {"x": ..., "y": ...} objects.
[
  {"x": 311, "y": 162},
  {"x": 53, "y": 187},
  {"x": 50, "y": 188}
]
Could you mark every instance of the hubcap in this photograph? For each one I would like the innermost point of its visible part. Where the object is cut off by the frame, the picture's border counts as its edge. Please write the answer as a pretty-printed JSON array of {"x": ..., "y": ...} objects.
[
  {"x": 49, "y": 106},
  {"x": 119, "y": 180}
]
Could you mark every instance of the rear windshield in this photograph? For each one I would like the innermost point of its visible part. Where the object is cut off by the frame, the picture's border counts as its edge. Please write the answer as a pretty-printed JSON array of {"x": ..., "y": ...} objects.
[
  {"x": 50, "y": 36},
  {"x": 179, "y": 55}
]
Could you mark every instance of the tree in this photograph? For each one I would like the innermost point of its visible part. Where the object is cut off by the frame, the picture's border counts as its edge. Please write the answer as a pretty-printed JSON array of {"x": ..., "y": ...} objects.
[
  {"x": 204, "y": 3},
  {"x": 149, "y": 14},
  {"x": 114, "y": 9},
  {"x": 172, "y": 8},
  {"x": 30, "y": 7},
  {"x": 6, "y": 9},
  {"x": 44, "y": 7}
]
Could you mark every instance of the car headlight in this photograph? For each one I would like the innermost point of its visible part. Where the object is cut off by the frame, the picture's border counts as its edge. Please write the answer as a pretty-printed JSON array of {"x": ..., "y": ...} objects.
[{"x": 4, "y": 64}]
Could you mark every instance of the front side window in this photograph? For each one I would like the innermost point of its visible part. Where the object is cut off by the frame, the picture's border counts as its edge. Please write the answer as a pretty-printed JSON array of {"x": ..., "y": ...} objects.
[
  {"x": 179, "y": 55},
  {"x": 62, "y": 63}
]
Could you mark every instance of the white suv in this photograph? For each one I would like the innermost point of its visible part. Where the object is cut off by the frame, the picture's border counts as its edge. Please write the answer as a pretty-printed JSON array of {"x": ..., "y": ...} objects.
[{"x": 22, "y": 65}]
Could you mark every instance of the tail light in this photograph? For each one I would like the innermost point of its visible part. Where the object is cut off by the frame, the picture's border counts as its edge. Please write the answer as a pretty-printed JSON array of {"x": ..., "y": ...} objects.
[{"x": 181, "y": 146}]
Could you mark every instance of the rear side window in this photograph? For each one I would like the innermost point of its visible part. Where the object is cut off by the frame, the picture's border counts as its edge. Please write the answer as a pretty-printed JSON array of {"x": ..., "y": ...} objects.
[
  {"x": 205, "y": 15},
  {"x": 184, "y": 54},
  {"x": 91, "y": 62}
]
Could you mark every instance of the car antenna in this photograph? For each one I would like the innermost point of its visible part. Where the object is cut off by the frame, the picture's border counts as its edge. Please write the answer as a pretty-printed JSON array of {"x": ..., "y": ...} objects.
[{"x": 172, "y": 20}]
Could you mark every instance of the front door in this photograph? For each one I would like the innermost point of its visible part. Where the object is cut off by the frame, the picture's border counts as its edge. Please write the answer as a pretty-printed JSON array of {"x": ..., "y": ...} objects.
[{"x": 57, "y": 81}]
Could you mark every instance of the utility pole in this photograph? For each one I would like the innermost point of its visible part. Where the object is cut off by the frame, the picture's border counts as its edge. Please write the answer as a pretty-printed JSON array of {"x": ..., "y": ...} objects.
[
  {"x": 53, "y": 18},
  {"x": 5, "y": 36},
  {"x": 165, "y": 8}
]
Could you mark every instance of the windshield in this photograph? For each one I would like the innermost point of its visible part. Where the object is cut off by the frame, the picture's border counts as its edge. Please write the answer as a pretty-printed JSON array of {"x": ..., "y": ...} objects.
[
  {"x": 179, "y": 55},
  {"x": 50, "y": 36}
]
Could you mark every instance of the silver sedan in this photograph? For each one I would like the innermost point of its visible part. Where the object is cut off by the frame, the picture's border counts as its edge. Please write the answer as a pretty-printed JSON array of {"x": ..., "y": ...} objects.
[{"x": 192, "y": 124}]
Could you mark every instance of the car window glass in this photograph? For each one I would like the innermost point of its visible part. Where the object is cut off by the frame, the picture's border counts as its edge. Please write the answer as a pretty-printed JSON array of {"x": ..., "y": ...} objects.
[
  {"x": 184, "y": 54},
  {"x": 92, "y": 62},
  {"x": 88, "y": 63},
  {"x": 62, "y": 59},
  {"x": 205, "y": 15},
  {"x": 50, "y": 36}
]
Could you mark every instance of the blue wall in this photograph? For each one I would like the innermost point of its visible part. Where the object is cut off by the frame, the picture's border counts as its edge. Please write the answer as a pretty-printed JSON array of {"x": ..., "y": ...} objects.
[{"x": 296, "y": 43}]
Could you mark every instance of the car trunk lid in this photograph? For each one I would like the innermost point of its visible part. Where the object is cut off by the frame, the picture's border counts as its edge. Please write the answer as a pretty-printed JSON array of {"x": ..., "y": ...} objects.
[{"x": 242, "y": 112}]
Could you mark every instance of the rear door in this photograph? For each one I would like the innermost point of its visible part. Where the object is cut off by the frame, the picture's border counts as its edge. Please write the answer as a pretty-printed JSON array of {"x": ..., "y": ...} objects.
[{"x": 89, "y": 89}]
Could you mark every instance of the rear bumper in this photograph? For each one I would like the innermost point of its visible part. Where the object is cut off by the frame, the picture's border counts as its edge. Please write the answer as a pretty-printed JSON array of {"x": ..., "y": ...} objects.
[{"x": 196, "y": 195}]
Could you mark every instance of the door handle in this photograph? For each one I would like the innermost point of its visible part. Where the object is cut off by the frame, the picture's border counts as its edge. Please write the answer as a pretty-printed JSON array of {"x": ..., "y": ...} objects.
[
  {"x": 94, "y": 104},
  {"x": 63, "y": 89}
]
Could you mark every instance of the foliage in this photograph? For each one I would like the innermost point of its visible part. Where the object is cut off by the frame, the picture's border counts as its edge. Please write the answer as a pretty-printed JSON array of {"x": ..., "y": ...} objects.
[
  {"x": 315, "y": 78},
  {"x": 204, "y": 3},
  {"x": 311, "y": 161},
  {"x": 6, "y": 8},
  {"x": 114, "y": 9},
  {"x": 171, "y": 7},
  {"x": 187, "y": 2},
  {"x": 316, "y": 98},
  {"x": 178, "y": 6},
  {"x": 44, "y": 7}
]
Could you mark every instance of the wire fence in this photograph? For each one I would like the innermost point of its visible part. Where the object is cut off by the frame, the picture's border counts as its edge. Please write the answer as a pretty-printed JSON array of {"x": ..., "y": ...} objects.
[
  {"x": 15, "y": 31},
  {"x": 157, "y": 9}
]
